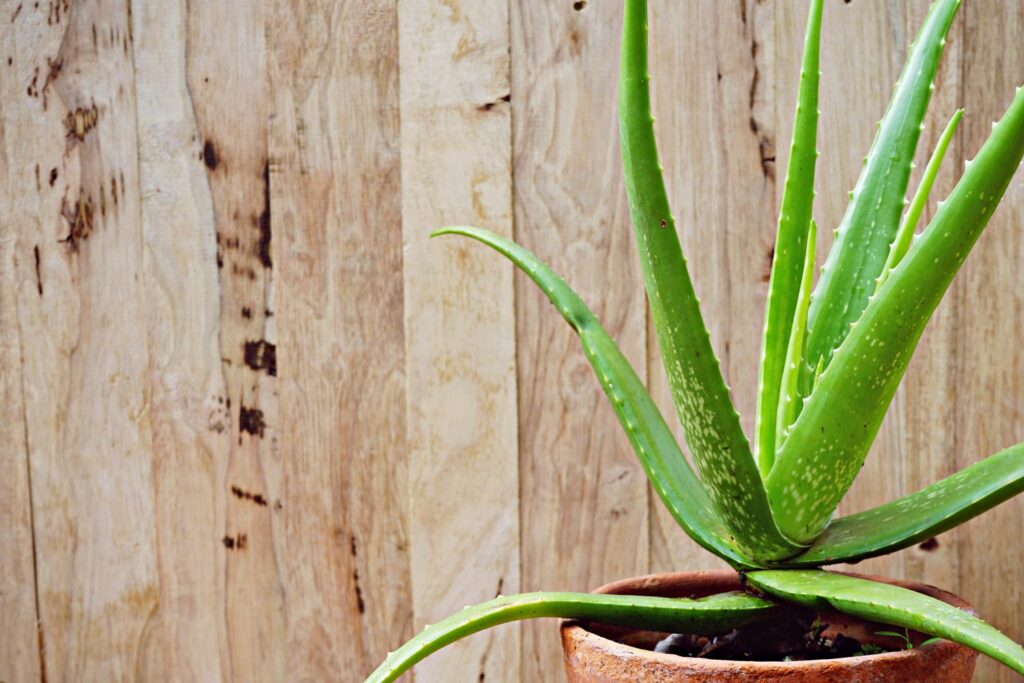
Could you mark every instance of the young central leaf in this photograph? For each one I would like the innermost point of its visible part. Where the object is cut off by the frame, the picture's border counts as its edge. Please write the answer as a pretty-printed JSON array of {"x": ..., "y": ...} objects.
[
  {"x": 719, "y": 447},
  {"x": 784, "y": 287}
]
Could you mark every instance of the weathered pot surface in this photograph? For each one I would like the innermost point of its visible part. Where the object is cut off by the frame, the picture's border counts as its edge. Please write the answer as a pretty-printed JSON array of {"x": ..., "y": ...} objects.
[{"x": 592, "y": 656}]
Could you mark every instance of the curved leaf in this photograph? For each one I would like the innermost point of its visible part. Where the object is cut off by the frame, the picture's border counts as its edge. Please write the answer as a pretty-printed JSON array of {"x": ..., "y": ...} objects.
[
  {"x": 715, "y": 614},
  {"x": 829, "y": 441},
  {"x": 712, "y": 426},
  {"x": 873, "y": 215},
  {"x": 785, "y": 285},
  {"x": 890, "y": 605},
  {"x": 920, "y": 515},
  {"x": 652, "y": 440}
]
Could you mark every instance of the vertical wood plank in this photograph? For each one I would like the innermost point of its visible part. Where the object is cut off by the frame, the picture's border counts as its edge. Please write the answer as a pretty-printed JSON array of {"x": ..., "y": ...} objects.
[
  {"x": 583, "y": 494},
  {"x": 712, "y": 100},
  {"x": 19, "y": 640},
  {"x": 226, "y": 74},
  {"x": 192, "y": 427},
  {"x": 335, "y": 192},
  {"x": 989, "y": 401},
  {"x": 74, "y": 176},
  {"x": 459, "y": 325}
]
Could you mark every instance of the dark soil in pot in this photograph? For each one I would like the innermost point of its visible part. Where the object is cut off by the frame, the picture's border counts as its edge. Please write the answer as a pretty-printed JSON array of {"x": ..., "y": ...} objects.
[{"x": 800, "y": 645}]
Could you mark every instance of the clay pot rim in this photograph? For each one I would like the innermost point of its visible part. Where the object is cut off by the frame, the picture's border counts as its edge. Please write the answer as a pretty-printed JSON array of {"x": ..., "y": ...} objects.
[{"x": 577, "y": 630}]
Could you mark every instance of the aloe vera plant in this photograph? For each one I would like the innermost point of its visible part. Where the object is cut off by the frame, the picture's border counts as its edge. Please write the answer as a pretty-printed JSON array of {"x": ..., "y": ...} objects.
[{"x": 833, "y": 355}]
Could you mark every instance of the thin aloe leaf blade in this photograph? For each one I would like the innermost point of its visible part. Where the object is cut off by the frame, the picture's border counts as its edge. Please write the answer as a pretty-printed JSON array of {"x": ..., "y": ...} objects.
[
  {"x": 906, "y": 232},
  {"x": 829, "y": 441},
  {"x": 920, "y": 515},
  {"x": 710, "y": 422},
  {"x": 785, "y": 283},
  {"x": 890, "y": 605},
  {"x": 652, "y": 439},
  {"x": 789, "y": 396},
  {"x": 873, "y": 215},
  {"x": 712, "y": 615}
]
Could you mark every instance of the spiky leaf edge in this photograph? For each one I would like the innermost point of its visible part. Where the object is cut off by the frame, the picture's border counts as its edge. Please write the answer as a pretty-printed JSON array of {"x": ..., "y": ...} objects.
[
  {"x": 789, "y": 393},
  {"x": 785, "y": 283},
  {"x": 906, "y": 232},
  {"x": 826, "y": 447},
  {"x": 720, "y": 450},
  {"x": 872, "y": 217}
]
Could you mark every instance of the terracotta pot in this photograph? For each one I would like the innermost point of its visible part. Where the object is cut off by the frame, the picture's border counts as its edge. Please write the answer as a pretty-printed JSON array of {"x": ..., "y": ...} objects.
[{"x": 592, "y": 656}]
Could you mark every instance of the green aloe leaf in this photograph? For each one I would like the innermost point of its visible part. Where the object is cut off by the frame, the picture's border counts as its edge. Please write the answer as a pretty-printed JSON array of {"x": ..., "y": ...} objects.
[
  {"x": 712, "y": 426},
  {"x": 873, "y": 215},
  {"x": 712, "y": 615},
  {"x": 829, "y": 441},
  {"x": 920, "y": 515},
  {"x": 906, "y": 233},
  {"x": 890, "y": 605},
  {"x": 652, "y": 440},
  {"x": 785, "y": 285},
  {"x": 789, "y": 395}
]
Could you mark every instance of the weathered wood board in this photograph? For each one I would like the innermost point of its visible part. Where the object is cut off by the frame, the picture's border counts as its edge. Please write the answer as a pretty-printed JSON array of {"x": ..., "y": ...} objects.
[{"x": 256, "y": 425}]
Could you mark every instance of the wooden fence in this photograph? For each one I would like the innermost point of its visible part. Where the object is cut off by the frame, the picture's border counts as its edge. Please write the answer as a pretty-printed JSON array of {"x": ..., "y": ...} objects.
[{"x": 257, "y": 427}]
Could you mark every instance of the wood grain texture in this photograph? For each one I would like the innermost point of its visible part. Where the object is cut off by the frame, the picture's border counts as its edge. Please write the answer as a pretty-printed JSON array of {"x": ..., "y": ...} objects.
[
  {"x": 226, "y": 77},
  {"x": 192, "y": 426},
  {"x": 83, "y": 332},
  {"x": 337, "y": 214},
  {"x": 19, "y": 646},
  {"x": 459, "y": 326},
  {"x": 988, "y": 361},
  {"x": 74, "y": 179},
  {"x": 583, "y": 495},
  {"x": 256, "y": 426}
]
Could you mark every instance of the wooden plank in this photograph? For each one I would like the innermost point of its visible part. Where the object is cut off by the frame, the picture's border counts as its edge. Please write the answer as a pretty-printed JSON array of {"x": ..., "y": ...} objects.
[
  {"x": 459, "y": 326},
  {"x": 192, "y": 430},
  {"x": 583, "y": 496},
  {"x": 19, "y": 645},
  {"x": 989, "y": 363},
  {"x": 74, "y": 179},
  {"x": 716, "y": 138},
  {"x": 335, "y": 191},
  {"x": 226, "y": 76}
]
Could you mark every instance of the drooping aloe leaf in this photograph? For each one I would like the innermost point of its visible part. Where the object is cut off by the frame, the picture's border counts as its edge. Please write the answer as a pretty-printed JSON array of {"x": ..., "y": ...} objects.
[
  {"x": 711, "y": 615},
  {"x": 652, "y": 440},
  {"x": 919, "y": 515},
  {"x": 873, "y": 215},
  {"x": 790, "y": 247},
  {"x": 712, "y": 426},
  {"x": 829, "y": 441},
  {"x": 906, "y": 231},
  {"x": 890, "y": 605},
  {"x": 788, "y": 391}
]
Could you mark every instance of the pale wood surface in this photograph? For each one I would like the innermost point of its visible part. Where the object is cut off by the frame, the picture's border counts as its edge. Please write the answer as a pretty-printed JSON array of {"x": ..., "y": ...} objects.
[
  {"x": 256, "y": 426},
  {"x": 459, "y": 326},
  {"x": 337, "y": 218},
  {"x": 583, "y": 494}
]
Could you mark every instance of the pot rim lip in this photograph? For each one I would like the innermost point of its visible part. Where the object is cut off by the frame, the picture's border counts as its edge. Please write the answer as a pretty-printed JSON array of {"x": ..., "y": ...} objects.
[{"x": 576, "y": 629}]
